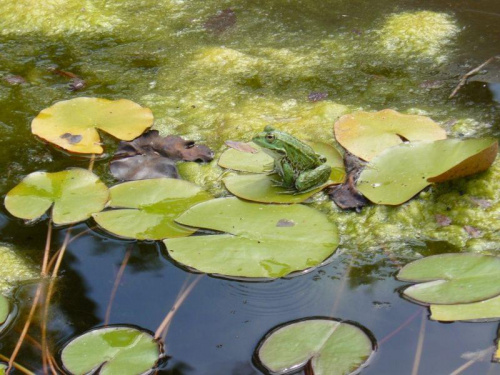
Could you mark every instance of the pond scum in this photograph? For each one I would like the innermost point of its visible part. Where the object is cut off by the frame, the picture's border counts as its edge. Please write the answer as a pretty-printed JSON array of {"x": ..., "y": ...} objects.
[{"x": 214, "y": 75}]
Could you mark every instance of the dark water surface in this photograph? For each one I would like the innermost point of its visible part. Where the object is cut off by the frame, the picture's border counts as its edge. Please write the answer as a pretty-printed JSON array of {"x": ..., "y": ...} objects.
[{"x": 151, "y": 57}]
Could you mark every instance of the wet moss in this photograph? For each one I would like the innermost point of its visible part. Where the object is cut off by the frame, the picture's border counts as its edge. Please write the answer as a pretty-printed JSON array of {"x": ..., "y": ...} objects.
[{"x": 15, "y": 269}]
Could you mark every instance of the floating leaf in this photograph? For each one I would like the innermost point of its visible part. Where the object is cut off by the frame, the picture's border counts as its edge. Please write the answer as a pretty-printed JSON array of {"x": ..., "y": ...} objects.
[
  {"x": 367, "y": 134},
  {"x": 146, "y": 209},
  {"x": 483, "y": 310},
  {"x": 452, "y": 278},
  {"x": 4, "y": 309},
  {"x": 74, "y": 193},
  {"x": 72, "y": 124},
  {"x": 265, "y": 188},
  {"x": 112, "y": 350},
  {"x": 3, "y": 367},
  {"x": 254, "y": 243},
  {"x": 332, "y": 347},
  {"x": 239, "y": 160},
  {"x": 243, "y": 147},
  {"x": 402, "y": 171}
]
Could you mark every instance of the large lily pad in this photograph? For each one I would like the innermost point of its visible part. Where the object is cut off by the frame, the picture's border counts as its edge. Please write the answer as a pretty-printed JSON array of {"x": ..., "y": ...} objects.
[
  {"x": 483, "y": 310},
  {"x": 115, "y": 350},
  {"x": 259, "y": 240},
  {"x": 72, "y": 124},
  {"x": 332, "y": 347},
  {"x": 367, "y": 134},
  {"x": 4, "y": 309},
  {"x": 265, "y": 188},
  {"x": 146, "y": 209},
  {"x": 452, "y": 278},
  {"x": 74, "y": 195},
  {"x": 402, "y": 171}
]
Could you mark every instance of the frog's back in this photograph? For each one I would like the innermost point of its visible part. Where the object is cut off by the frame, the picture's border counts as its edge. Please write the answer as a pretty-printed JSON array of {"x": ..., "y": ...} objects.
[{"x": 301, "y": 155}]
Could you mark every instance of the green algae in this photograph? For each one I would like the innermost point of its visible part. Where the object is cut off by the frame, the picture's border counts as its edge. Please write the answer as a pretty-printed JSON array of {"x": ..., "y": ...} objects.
[
  {"x": 422, "y": 34},
  {"x": 214, "y": 87},
  {"x": 15, "y": 269}
]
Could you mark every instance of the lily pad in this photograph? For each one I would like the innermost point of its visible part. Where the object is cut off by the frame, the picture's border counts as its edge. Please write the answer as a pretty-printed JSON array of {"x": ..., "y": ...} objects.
[
  {"x": 483, "y": 310},
  {"x": 146, "y": 209},
  {"x": 4, "y": 309},
  {"x": 402, "y": 171},
  {"x": 72, "y": 124},
  {"x": 367, "y": 134},
  {"x": 332, "y": 347},
  {"x": 74, "y": 194},
  {"x": 255, "y": 243},
  {"x": 452, "y": 278},
  {"x": 112, "y": 350},
  {"x": 239, "y": 160},
  {"x": 265, "y": 188}
]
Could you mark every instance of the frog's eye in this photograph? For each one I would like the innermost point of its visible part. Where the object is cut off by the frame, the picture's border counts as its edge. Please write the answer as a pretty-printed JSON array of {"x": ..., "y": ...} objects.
[{"x": 270, "y": 137}]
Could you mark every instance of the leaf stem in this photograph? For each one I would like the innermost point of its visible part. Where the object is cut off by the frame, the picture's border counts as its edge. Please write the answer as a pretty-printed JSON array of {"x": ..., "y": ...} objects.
[{"x": 420, "y": 345}]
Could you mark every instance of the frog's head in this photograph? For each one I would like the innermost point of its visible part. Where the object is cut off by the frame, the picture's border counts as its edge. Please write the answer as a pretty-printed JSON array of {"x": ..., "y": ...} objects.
[{"x": 269, "y": 139}]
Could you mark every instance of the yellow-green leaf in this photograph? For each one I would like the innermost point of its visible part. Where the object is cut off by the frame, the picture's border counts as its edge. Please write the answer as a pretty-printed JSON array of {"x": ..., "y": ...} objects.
[
  {"x": 72, "y": 124},
  {"x": 367, "y": 134}
]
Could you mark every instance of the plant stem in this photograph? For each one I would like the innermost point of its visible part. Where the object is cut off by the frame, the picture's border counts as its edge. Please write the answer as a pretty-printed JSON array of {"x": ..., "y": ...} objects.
[
  {"x": 117, "y": 284},
  {"x": 21, "y": 368},
  {"x": 163, "y": 327},
  {"x": 420, "y": 345}
]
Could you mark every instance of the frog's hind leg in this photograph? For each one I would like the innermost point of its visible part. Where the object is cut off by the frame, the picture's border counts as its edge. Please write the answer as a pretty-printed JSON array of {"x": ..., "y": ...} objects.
[
  {"x": 308, "y": 180},
  {"x": 286, "y": 173}
]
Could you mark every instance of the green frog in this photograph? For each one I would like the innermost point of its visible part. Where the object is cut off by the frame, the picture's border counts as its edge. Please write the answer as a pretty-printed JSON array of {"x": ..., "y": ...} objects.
[{"x": 299, "y": 166}]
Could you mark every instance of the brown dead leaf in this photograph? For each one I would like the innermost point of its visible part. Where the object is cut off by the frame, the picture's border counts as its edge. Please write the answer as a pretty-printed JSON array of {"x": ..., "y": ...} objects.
[
  {"x": 442, "y": 220},
  {"x": 472, "y": 231},
  {"x": 222, "y": 21}
]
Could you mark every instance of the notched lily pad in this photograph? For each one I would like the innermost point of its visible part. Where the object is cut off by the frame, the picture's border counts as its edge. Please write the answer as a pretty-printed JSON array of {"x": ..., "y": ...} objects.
[
  {"x": 488, "y": 309},
  {"x": 400, "y": 172},
  {"x": 74, "y": 195},
  {"x": 4, "y": 309},
  {"x": 252, "y": 243},
  {"x": 331, "y": 347},
  {"x": 146, "y": 209},
  {"x": 72, "y": 124},
  {"x": 261, "y": 187},
  {"x": 153, "y": 156},
  {"x": 112, "y": 350},
  {"x": 447, "y": 279},
  {"x": 367, "y": 134}
]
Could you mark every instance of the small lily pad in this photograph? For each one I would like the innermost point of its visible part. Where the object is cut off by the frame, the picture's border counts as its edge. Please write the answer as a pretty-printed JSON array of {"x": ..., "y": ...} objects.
[
  {"x": 452, "y": 278},
  {"x": 265, "y": 188},
  {"x": 146, "y": 209},
  {"x": 112, "y": 350},
  {"x": 4, "y": 309},
  {"x": 71, "y": 124},
  {"x": 483, "y": 310},
  {"x": 332, "y": 347},
  {"x": 400, "y": 172},
  {"x": 254, "y": 242},
  {"x": 74, "y": 195},
  {"x": 367, "y": 134},
  {"x": 240, "y": 160}
]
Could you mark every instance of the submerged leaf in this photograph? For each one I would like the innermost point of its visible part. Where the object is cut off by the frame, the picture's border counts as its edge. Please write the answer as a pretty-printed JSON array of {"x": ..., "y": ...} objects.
[
  {"x": 367, "y": 134},
  {"x": 253, "y": 245},
  {"x": 112, "y": 350},
  {"x": 402, "y": 171},
  {"x": 146, "y": 209},
  {"x": 72, "y": 124},
  {"x": 483, "y": 310},
  {"x": 452, "y": 278},
  {"x": 332, "y": 347},
  {"x": 154, "y": 156},
  {"x": 74, "y": 193},
  {"x": 4, "y": 309}
]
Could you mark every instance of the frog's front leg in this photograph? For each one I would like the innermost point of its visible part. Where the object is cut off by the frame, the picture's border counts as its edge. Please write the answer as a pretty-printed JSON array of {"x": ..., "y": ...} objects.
[
  {"x": 286, "y": 172},
  {"x": 313, "y": 178}
]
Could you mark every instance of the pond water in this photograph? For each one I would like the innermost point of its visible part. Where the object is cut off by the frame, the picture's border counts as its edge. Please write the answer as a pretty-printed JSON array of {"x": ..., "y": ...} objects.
[{"x": 221, "y": 70}]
